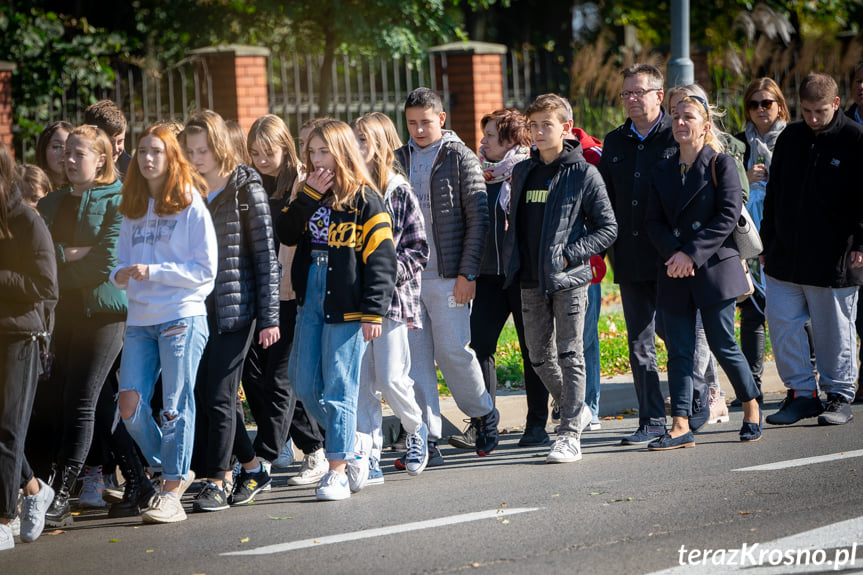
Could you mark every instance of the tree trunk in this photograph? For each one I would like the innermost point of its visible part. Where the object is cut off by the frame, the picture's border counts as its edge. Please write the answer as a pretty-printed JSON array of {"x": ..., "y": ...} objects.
[{"x": 325, "y": 89}]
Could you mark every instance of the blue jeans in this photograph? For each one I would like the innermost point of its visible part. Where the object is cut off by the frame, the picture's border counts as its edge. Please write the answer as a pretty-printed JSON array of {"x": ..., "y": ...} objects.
[
  {"x": 680, "y": 339},
  {"x": 173, "y": 348},
  {"x": 325, "y": 367},
  {"x": 591, "y": 349}
]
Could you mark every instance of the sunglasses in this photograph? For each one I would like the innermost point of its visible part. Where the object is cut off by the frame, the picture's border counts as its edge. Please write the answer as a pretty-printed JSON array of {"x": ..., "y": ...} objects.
[{"x": 756, "y": 104}]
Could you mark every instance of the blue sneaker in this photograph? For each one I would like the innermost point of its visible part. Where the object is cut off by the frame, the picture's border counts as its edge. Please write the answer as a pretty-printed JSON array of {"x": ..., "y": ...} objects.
[
  {"x": 417, "y": 455},
  {"x": 376, "y": 476}
]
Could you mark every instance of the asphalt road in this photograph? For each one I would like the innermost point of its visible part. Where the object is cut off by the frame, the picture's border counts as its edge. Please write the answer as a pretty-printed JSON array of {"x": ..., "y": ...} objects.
[{"x": 619, "y": 510}]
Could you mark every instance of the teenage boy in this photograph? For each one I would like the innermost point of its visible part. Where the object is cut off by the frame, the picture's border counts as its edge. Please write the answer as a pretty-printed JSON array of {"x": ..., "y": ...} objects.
[
  {"x": 812, "y": 231},
  {"x": 447, "y": 179},
  {"x": 559, "y": 217},
  {"x": 105, "y": 115}
]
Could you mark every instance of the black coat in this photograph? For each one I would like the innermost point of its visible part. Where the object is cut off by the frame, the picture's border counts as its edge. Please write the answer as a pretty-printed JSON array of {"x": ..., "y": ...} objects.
[
  {"x": 28, "y": 272},
  {"x": 247, "y": 281},
  {"x": 578, "y": 221},
  {"x": 696, "y": 218},
  {"x": 625, "y": 166},
  {"x": 813, "y": 208}
]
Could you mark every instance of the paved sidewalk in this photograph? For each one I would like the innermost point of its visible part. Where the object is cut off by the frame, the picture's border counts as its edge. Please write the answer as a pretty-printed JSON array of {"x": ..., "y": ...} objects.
[{"x": 617, "y": 394}]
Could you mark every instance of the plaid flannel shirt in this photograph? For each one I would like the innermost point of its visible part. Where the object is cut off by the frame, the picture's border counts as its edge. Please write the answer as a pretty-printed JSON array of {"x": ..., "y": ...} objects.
[{"x": 412, "y": 251}]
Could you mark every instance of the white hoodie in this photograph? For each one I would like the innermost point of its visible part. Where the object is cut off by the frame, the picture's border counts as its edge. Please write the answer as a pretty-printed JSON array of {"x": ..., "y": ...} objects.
[{"x": 181, "y": 252}]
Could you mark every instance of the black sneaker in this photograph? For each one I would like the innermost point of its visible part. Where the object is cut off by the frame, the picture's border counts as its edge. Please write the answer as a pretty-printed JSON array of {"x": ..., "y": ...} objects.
[
  {"x": 837, "y": 411},
  {"x": 210, "y": 498},
  {"x": 534, "y": 437},
  {"x": 796, "y": 407},
  {"x": 248, "y": 485},
  {"x": 400, "y": 442},
  {"x": 467, "y": 439},
  {"x": 700, "y": 413},
  {"x": 486, "y": 433}
]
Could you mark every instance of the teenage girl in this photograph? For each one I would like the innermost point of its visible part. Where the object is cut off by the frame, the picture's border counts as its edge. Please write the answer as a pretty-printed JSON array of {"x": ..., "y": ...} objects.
[
  {"x": 167, "y": 265},
  {"x": 344, "y": 271},
  {"x": 387, "y": 362},
  {"x": 85, "y": 223},
  {"x": 244, "y": 303},
  {"x": 50, "y": 150}
]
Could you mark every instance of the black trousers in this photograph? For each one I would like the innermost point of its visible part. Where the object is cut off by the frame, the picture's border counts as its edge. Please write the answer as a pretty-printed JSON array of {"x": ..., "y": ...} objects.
[
  {"x": 489, "y": 312},
  {"x": 216, "y": 387},
  {"x": 86, "y": 348},
  {"x": 268, "y": 392},
  {"x": 19, "y": 371},
  {"x": 642, "y": 325}
]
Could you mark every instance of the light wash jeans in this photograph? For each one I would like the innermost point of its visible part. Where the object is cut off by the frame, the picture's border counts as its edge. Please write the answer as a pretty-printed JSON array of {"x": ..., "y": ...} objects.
[
  {"x": 445, "y": 338},
  {"x": 591, "y": 349},
  {"x": 173, "y": 348},
  {"x": 325, "y": 366},
  {"x": 833, "y": 311},
  {"x": 554, "y": 331},
  {"x": 386, "y": 371}
]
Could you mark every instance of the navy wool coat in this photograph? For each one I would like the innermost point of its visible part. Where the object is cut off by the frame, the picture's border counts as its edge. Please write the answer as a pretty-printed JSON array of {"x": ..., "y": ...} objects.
[{"x": 696, "y": 218}]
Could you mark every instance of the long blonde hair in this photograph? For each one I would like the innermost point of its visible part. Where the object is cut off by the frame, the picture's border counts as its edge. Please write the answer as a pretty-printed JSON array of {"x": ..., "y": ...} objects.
[
  {"x": 218, "y": 138},
  {"x": 372, "y": 127},
  {"x": 351, "y": 175},
  {"x": 270, "y": 132}
]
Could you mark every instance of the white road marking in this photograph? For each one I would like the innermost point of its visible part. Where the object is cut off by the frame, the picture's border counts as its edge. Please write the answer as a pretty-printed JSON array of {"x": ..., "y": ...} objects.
[
  {"x": 804, "y": 461},
  {"x": 830, "y": 538},
  {"x": 381, "y": 531}
]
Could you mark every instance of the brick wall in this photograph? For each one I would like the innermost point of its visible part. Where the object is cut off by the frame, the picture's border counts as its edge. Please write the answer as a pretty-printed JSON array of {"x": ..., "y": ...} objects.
[
  {"x": 475, "y": 75},
  {"x": 239, "y": 79},
  {"x": 6, "y": 69}
]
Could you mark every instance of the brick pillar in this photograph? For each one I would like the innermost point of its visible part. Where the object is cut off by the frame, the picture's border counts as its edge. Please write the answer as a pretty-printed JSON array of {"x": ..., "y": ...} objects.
[
  {"x": 474, "y": 72},
  {"x": 6, "y": 69},
  {"x": 239, "y": 80}
]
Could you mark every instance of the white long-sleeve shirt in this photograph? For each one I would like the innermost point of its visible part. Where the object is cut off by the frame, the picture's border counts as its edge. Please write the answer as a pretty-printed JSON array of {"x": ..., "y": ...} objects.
[{"x": 181, "y": 253}]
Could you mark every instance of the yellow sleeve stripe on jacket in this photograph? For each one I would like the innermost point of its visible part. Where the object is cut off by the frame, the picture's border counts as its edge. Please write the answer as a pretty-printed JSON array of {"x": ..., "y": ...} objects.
[
  {"x": 311, "y": 192},
  {"x": 378, "y": 237},
  {"x": 377, "y": 219},
  {"x": 367, "y": 318}
]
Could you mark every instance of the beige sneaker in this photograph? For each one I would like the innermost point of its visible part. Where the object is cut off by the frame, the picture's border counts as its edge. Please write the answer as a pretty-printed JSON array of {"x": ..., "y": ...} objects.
[
  {"x": 164, "y": 508},
  {"x": 314, "y": 466},
  {"x": 185, "y": 483},
  {"x": 718, "y": 407}
]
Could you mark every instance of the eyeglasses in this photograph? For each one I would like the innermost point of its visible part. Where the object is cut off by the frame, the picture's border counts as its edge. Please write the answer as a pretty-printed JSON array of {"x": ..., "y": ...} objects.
[
  {"x": 756, "y": 104},
  {"x": 627, "y": 94}
]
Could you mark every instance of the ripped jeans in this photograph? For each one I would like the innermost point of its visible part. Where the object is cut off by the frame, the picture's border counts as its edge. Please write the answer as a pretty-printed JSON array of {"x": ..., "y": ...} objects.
[{"x": 173, "y": 348}]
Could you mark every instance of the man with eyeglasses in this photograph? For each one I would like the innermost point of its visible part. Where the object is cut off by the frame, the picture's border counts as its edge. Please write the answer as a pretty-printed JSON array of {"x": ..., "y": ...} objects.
[{"x": 629, "y": 153}]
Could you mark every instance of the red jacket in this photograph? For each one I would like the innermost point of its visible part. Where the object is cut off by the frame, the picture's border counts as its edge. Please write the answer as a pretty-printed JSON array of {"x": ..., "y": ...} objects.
[{"x": 591, "y": 148}]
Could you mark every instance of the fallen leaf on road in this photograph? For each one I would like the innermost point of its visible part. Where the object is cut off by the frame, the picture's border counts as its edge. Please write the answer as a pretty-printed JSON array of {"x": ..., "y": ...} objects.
[
  {"x": 503, "y": 504},
  {"x": 556, "y": 495},
  {"x": 598, "y": 492},
  {"x": 316, "y": 541},
  {"x": 744, "y": 512},
  {"x": 149, "y": 551},
  {"x": 55, "y": 532},
  {"x": 244, "y": 540},
  {"x": 627, "y": 412},
  {"x": 280, "y": 518},
  {"x": 112, "y": 541},
  {"x": 505, "y": 522}
]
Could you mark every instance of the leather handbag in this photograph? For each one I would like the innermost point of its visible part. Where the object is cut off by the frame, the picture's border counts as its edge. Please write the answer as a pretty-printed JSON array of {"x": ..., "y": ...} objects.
[{"x": 745, "y": 234}]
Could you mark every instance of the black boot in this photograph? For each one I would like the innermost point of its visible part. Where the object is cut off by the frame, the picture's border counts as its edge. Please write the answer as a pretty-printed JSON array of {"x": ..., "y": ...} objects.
[
  {"x": 138, "y": 489},
  {"x": 59, "y": 514}
]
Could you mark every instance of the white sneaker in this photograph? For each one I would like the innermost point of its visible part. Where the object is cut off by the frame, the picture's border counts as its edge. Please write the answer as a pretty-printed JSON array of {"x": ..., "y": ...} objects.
[
  {"x": 566, "y": 449},
  {"x": 286, "y": 456},
  {"x": 334, "y": 486},
  {"x": 93, "y": 486},
  {"x": 15, "y": 526},
  {"x": 6, "y": 539},
  {"x": 164, "y": 508},
  {"x": 314, "y": 466},
  {"x": 358, "y": 467},
  {"x": 594, "y": 426},
  {"x": 186, "y": 483},
  {"x": 268, "y": 467},
  {"x": 33, "y": 509}
]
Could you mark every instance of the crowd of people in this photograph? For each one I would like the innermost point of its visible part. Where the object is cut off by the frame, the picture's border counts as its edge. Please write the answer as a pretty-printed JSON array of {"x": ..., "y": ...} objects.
[{"x": 137, "y": 292}]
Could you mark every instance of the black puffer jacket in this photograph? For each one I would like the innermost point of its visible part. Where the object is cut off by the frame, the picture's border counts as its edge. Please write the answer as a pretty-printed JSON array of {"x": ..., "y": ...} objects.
[
  {"x": 247, "y": 283},
  {"x": 578, "y": 221},
  {"x": 625, "y": 166},
  {"x": 459, "y": 208},
  {"x": 28, "y": 271}
]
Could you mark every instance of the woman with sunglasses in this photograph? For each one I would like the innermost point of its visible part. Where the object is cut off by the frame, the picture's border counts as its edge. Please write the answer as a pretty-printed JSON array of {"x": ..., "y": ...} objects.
[{"x": 766, "y": 114}]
